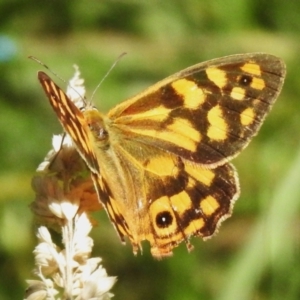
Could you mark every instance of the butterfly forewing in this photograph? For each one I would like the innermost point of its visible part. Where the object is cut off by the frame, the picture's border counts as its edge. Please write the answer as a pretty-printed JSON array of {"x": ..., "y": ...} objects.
[
  {"x": 207, "y": 113},
  {"x": 71, "y": 118},
  {"x": 159, "y": 160}
]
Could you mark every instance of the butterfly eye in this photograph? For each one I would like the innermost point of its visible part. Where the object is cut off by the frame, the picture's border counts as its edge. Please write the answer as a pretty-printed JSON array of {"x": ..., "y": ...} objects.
[
  {"x": 98, "y": 131},
  {"x": 102, "y": 134}
]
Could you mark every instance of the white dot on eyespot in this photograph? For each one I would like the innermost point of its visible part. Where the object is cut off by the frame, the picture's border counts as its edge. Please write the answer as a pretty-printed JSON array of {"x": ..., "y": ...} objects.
[{"x": 140, "y": 204}]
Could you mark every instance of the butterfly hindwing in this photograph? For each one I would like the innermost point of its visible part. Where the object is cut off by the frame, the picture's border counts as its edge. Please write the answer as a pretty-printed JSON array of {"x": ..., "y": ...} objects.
[{"x": 169, "y": 199}]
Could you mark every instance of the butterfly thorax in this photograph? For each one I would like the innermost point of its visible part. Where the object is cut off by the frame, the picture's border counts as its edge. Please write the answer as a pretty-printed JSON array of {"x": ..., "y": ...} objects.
[{"x": 118, "y": 183}]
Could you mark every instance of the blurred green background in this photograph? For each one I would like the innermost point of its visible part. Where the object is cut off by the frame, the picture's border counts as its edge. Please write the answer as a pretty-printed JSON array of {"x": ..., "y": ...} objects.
[{"x": 256, "y": 253}]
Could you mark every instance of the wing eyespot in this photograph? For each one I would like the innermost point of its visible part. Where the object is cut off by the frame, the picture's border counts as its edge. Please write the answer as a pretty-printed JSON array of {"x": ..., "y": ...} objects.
[
  {"x": 245, "y": 80},
  {"x": 164, "y": 219}
]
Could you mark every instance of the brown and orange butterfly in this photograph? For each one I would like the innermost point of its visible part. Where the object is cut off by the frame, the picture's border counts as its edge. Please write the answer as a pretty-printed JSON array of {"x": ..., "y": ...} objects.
[{"x": 160, "y": 160}]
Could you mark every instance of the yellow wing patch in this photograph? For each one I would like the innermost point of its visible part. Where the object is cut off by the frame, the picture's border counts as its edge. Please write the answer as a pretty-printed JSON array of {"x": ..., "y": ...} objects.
[
  {"x": 217, "y": 76},
  {"x": 192, "y": 95},
  {"x": 217, "y": 124}
]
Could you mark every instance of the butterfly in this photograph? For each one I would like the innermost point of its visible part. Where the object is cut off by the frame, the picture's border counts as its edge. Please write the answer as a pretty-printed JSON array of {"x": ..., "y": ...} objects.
[{"x": 160, "y": 161}]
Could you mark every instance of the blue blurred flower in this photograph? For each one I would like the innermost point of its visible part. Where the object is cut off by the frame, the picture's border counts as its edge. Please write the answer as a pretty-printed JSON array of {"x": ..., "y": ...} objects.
[{"x": 8, "y": 48}]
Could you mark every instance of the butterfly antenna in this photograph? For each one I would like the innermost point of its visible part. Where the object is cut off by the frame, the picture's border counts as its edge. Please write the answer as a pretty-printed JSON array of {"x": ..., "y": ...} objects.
[
  {"x": 56, "y": 75},
  {"x": 107, "y": 73},
  {"x": 45, "y": 66}
]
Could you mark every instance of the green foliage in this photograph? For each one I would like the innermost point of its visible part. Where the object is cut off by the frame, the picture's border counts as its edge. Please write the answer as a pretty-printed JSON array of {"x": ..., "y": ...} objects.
[{"x": 256, "y": 253}]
